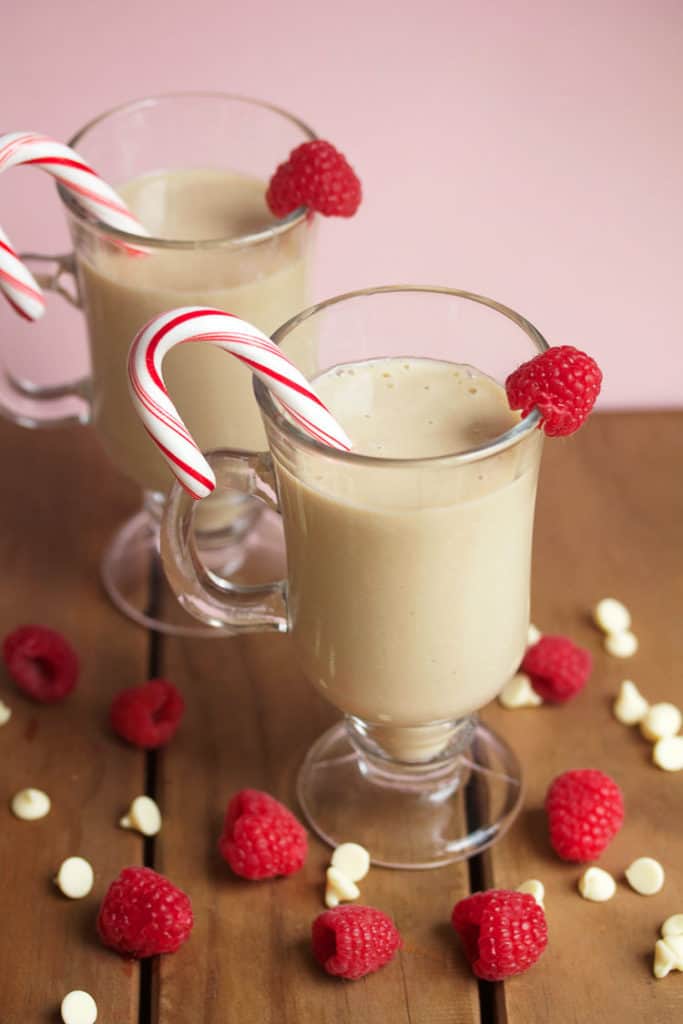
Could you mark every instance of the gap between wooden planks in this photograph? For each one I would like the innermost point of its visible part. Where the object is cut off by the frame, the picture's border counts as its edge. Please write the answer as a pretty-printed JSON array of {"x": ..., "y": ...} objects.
[
  {"x": 609, "y": 514},
  {"x": 609, "y": 523},
  {"x": 59, "y": 504},
  {"x": 609, "y": 511}
]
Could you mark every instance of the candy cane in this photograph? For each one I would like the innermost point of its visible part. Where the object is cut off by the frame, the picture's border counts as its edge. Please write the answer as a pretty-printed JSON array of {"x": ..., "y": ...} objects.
[
  {"x": 269, "y": 363},
  {"x": 21, "y": 289}
]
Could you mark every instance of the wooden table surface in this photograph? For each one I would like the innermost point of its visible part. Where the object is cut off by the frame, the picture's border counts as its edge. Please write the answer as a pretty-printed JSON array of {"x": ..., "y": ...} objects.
[{"x": 609, "y": 523}]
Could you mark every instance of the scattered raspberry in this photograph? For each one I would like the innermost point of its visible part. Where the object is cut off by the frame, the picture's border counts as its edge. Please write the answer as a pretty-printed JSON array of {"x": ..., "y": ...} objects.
[
  {"x": 585, "y": 811},
  {"x": 147, "y": 715},
  {"x": 563, "y": 383},
  {"x": 251, "y": 801},
  {"x": 41, "y": 662},
  {"x": 503, "y": 932},
  {"x": 352, "y": 941},
  {"x": 261, "y": 837},
  {"x": 316, "y": 175},
  {"x": 558, "y": 669},
  {"x": 144, "y": 914}
]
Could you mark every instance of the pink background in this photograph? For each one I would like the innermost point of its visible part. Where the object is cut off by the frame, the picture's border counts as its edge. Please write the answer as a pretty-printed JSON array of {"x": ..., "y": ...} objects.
[{"x": 530, "y": 151}]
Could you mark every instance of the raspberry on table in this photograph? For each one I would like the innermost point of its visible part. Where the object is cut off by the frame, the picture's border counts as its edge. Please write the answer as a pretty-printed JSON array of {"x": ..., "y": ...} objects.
[
  {"x": 318, "y": 176},
  {"x": 261, "y": 838},
  {"x": 557, "y": 667},
  {"x": 503, "y": 932},
  {"x": 41, "y": 662},
  {"x": 562, "y": 383},
  {"x": 251, "y": 801},
  {"x": 585, "y": 811},
  {"x": 148, "y": 715},
  {"x": 353, "y": 941},
  {"x": 143, "y": 914}
]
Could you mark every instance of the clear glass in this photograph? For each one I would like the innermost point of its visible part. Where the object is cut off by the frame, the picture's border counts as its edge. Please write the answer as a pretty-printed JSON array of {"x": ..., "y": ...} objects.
[
  {"x": 247, "y": 264},
  {"x": 407, "y": 591}
]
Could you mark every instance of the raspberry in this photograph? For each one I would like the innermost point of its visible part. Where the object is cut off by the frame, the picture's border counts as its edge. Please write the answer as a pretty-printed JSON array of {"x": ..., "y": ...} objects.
[
  {"x": 41, "y": 662},
  {"x": 316, "y": 175},
  {"x": 147, "y": 715},
  {"x": 352, "y": 941},
  {"x": 563, "y": 383},
  {"x": 557, "y": 667},
  {"x": 261, "y": 838},
  {"x": 585, "y": 811},
  {"x": 503, "y": 932},
  {"x": 251, "y": 801},
  {"x": 143, "y": 914}
]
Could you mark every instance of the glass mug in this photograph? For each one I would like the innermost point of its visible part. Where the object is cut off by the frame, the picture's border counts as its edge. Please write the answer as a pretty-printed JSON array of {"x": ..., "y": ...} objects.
[
  {"x": 258, "y": 270},
  {"x": 407, "y": 590}
]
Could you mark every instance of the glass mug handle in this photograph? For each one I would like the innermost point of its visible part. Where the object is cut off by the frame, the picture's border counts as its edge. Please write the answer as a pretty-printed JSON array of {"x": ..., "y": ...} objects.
[
  {"x": 211, "y": 598},
  {"x": 33, "y": 405}
]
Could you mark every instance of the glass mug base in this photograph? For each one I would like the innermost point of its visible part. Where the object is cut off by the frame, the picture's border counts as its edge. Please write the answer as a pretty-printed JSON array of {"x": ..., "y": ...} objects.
[
  {"x": 251, "y": 551},
  {"x": 411, "y": 815}
]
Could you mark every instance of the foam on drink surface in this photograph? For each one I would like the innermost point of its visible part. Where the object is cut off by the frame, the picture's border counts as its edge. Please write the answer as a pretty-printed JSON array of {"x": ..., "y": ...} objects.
[{"x": 415, "y": 408}]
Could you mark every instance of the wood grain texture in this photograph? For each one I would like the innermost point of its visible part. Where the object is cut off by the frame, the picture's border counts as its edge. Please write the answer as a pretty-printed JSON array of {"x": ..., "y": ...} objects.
[
  {"x": 58, "y": 505},
  {"x": 610, "y": 523},
  {"x": 251, "y": 717}
]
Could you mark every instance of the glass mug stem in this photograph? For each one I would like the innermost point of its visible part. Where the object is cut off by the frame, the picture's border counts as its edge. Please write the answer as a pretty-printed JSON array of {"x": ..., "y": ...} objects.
[
  {"x": 213, "y": 599},
  {"x": 36, "y": 405}
]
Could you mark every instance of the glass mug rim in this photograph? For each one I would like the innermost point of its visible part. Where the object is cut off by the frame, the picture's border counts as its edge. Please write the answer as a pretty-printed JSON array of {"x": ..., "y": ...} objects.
[
  {"x": 232, "y": 242},
  {"x": 511, "y": 437}
]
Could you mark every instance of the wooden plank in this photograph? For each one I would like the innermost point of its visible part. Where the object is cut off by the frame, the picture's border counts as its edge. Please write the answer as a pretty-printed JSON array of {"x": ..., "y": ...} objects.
[
  {"x": 250, "y": 719},
  {"x": 609, "y": 523},
  {"x": 59, "y": 503}
]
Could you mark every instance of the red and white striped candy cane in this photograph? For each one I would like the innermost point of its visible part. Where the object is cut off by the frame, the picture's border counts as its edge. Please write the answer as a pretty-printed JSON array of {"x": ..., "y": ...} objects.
[
  {"x": 16, "y": 281},
  {"x": 240, "y": 339}
]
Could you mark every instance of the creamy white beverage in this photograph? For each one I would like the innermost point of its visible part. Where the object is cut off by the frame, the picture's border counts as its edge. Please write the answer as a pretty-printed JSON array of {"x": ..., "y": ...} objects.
[
  {"x": 409, "y": 581},
  {"x": 264, "y": 283}
]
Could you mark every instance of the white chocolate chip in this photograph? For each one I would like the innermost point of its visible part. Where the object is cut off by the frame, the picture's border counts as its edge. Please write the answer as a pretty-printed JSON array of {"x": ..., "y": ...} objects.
[
  {"x": 5, "y": 713},
  {"x": 143, "y": 815},
  {"x": 665, "y": 959},
  {"x": 78, "y": 1008},
  {"x": 672, "y": 926},
  {"x": 352, "y": 860},
  {"x": 675, "y": 944},
  {"x": 630, "y": 707},
  {"x": 519, "y": 693},
  {"x": 645, "y": 875},
  {"x": 611, "y": 616},
  {"x": 340, "y": 886},
  {"x": 331, "y": 898},
  {"x": 667, "y": 753},
  {"x": 597, "y": 885},
  {"x": 533, "y": 635},
  {"x": 668, "y": 955},
  {"x": 621, "y": 645},
  {"x": 30, "y": 804},
  {"x": 75, "y": 877},
  {"x": 661, "y": 721},
  {"x": 534, "y": 888}
]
